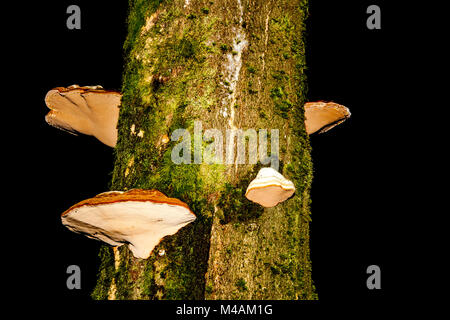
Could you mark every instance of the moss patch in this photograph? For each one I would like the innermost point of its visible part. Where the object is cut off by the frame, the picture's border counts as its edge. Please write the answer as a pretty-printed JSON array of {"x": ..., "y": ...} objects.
[{"x": 105, "y": 273}]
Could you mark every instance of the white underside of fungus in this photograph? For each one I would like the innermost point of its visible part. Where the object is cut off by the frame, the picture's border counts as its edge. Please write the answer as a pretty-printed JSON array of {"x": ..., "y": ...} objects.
[{"x": 138, "y": 218}]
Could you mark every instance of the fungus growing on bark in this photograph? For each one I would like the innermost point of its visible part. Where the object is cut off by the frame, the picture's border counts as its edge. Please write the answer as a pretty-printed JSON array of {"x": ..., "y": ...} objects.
[
  {"x": 269, "y": 188},
  {"x": 322, "y": 116},
  {"x": 89, "y": 110},
  {"x": 139, "y": 218}
]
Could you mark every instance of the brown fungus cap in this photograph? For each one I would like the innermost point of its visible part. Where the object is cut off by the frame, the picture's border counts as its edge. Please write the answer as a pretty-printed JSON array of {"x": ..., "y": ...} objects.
[
  {"x": 139, "y": 218},
  {"x": 89, "y": 110},
  {"x": 322, "y": 116}
]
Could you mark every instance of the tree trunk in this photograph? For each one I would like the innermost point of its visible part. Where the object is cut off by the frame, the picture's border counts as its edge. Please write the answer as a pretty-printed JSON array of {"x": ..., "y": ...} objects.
[{"x": 227, "y": 64}]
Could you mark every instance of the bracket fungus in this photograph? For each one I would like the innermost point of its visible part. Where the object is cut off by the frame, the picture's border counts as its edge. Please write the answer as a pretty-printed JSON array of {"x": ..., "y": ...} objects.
[
  {"x": 89, "y": 110},
  {"x": 269, "y": 188},
  {"x": 139, "y": 218},
  {"x": 322, "y": 116}
]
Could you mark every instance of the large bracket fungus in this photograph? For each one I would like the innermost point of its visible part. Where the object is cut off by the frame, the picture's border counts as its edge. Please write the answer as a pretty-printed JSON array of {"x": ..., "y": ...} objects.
[
  {"x": 89, "y": 110},
  {"x": 139, "y": 218},
  {"x": 269, "y": 188},
  {"x": 322, "y": 116}
]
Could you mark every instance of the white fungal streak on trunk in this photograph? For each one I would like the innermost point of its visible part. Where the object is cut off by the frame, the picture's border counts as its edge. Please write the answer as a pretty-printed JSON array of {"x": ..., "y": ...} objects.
[
  {"x": 232, "y": 70},
  {"x": 113, "y": 288},
  {"x": 116, "y": 257},
  {"x": 266, "y": 34},
  {"x": 266, "y": 39},
  {"x": 233, "y": 67}
]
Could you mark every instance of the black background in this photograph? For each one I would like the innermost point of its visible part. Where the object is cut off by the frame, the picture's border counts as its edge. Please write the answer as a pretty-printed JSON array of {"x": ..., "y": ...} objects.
[{"x": 357, "y": 205}]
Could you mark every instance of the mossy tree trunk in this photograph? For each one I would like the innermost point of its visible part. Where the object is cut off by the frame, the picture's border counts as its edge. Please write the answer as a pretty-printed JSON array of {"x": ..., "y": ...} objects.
[{"x": 231, "y": 64}]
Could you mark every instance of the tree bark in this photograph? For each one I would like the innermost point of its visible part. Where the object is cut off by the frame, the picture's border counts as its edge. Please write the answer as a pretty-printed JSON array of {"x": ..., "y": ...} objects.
[{"x": 229, "y": 64}]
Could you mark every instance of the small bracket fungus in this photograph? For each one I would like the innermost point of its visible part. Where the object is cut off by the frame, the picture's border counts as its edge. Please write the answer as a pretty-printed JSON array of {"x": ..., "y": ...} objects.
[
  {"x": 269, "y": 188},
  {"x": 139, "y": 218},
  {"x": 88, "y": 110},
  {"x": 322, "y": 116}
]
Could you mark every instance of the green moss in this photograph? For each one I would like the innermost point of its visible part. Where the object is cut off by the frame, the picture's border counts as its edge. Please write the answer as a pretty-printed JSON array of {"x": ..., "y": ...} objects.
[
  {"x": 280, "y": 75},
  {"x": 225, "y": 48},
  {"x": 187, "y": 255},
  {"x": 186, "y": 48},
  {"x": 122, "y": 276},
  {"x": 105, "y": 273},
  {"x": 148, "y": 284},
  {"x": 275, "y": 270},
  {"x": 138, "y": 11},
  {"x": 234, "y": 205},
  {"x": 251, "y": 69},
  {"x": 301, "y": 169},
  {"x": 262, "y": 114},
  {"x": 241, "y": 284},
  {"x": 281, "y": 101}
]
